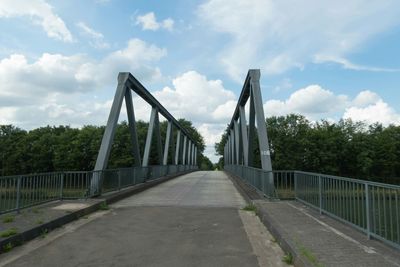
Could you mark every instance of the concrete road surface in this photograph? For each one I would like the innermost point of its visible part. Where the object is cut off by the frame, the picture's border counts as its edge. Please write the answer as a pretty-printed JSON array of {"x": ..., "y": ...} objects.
[{"x": 193, "y": 220}]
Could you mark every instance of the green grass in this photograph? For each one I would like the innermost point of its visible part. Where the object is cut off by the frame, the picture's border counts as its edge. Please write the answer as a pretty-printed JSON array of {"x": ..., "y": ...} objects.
[
  {"x": 44, "y": 233},
  {"x": 39, "y": 221},
  {"x": 310, "y": 256},
  {"x": 8, "y": 219},
  {"x": 7, "y": 247},
  {"x": 9, "y": 232},
  {"x": 288, "y": 259},
  {"x": 104, "y": 206},
  {"x": 250, "y": 207}
]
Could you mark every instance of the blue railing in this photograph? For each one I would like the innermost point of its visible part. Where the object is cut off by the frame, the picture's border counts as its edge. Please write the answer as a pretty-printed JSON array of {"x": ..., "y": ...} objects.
[{"x": 373, "y": 208}]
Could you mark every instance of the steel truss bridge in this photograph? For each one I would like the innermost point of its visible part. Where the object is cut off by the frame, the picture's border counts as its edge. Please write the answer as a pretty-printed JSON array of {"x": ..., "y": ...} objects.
[{"x": 373, "y": 208}]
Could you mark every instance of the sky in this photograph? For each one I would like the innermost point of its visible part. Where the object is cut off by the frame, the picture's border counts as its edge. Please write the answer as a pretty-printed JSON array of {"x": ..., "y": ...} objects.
[{"x": 59, "y": 60}]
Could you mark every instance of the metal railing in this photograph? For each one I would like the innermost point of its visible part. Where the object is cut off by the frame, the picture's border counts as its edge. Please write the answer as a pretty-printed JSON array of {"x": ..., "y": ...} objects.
[
  {"x": 275, "y": 184},
  {"x": 22, "y": 191},
  {"x": 373, "y": 208}
]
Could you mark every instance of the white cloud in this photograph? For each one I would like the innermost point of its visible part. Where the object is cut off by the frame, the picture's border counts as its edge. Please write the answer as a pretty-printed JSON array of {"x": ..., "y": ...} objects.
[
  {"x": 310, "y": 101},
  {"x": 225, "y": 111},
  {"x": 317, "y": 103},
  {"x": 196, "y": 98},
  {"x": 376, "y": 112},
  {"x": 7, "y": 115},
  {"x": 149, "y": 22},
  {"x": 204, "y": 102},
  {"x": 58, "y": 89},
  {"x": 366, "y": 98},
  {"x": 76, "y": 73},
  {"x": 97, "y": 38},
  {"x": 212, "y": 134},
  {"x": 349, "y": 65},
  {"x": 40, "y": 12},
  {"x": 279, "y": 35},
  {"x": 168, "y": 24}
]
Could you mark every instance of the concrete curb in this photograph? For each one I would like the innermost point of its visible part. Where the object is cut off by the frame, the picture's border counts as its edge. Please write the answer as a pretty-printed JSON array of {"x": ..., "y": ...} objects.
[
  {"x": 248, "y": 193},
  {"x": 36, "y": 231},
  {"x": 277, "y": 232},
  {"x": 252, "y": 196}
]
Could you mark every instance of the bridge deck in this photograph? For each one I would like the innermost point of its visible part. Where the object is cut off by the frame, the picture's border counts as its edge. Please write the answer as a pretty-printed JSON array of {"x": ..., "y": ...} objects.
[{"x": 193, "y": 220}]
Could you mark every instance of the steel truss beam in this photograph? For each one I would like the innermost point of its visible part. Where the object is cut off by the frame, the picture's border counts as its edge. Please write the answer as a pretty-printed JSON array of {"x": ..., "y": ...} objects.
[
  {"x": 239, "y": 148},
  {"x": 126, "y": 83}
]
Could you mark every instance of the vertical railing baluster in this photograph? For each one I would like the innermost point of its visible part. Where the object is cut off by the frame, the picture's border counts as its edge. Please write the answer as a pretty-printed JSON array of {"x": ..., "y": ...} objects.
[
  {"x": 18, "y": 193},
  {"x": 119, "y": 180},
  {"x": 320, "y": 193},
  {"x": 61, "y": 186},
  {"x": 367, "y": 211}
]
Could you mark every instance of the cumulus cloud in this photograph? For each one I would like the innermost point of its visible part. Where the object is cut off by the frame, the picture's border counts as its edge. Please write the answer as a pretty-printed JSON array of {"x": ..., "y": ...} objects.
[
  {"x": 77, "y": 73},
  {"x": 40, "y": 12},
  {"x": 377, "y": 112},
  {"x": 281, "y": 35},
  {"x": 310, "y": 101},
  {"x": 97, "y": 38},
  {"x": 317, "y": 103},
  {"x": 196, "y": 98},
  {"x": 149, "y": 22},
  {"x": 59, "y": 89},
  {"x": 366, "y": 98},
  {"x": 207, "y": 103}
]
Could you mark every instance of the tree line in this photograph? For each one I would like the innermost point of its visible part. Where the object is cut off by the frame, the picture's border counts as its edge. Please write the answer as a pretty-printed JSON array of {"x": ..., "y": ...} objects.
[
  {"x": 63, "y": 148},
  {"x": 343, "y": 148}
]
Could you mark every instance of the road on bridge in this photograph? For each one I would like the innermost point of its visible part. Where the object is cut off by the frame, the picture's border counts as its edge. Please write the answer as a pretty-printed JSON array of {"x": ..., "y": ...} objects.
[{"x": 193, "y": 220}]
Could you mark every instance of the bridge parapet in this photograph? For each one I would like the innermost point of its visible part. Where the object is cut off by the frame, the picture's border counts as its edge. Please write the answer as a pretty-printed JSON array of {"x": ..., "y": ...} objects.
[{"x": 373, "y": 208}]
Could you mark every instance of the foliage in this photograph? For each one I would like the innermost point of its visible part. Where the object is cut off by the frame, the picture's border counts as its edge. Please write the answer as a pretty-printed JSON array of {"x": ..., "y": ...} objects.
[
  {"x": 344, "y": 148},
  {"x": 250, "y": 207},
  {"x": 104, "y": 206},
  {"x": 8, "y": 247},
  {"x": 288, "y": 259},
  {"x": 9, "y": 232},
  {"x": 61, "y": 148},
  {"x": 8, "y": 219}
]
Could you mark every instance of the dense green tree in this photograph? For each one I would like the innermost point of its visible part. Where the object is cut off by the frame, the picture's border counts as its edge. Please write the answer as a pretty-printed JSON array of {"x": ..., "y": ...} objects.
[
  {"x": 344, "y": 148},
  {"x": 49, "y": 149}
]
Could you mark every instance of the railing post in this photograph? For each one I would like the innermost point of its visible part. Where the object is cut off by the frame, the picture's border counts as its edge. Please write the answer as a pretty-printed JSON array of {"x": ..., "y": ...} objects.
[
  {"x": 119, "y": 180},
  {"x": 61, "y": 185},
  {"x": 320, "y": 193},
  {"x": 295, "y": 184},
  {"x": 18, "y": 193},
  {"x": 367, "y": 210}
]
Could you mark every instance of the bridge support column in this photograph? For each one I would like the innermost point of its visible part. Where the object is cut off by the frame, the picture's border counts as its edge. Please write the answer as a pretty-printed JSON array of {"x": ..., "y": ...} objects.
[
  {"x": 239, "y": 148},
  {"x": 245, "y": 138},
  {"x": 178, "y": 147},
  {"x": 167, "y": 143},
  {"x": 237, "y": 142},
  {"x": 154, "y": 125},
  {"x": 184, "y": 150},
  {"x": 189, "y": 153}
]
